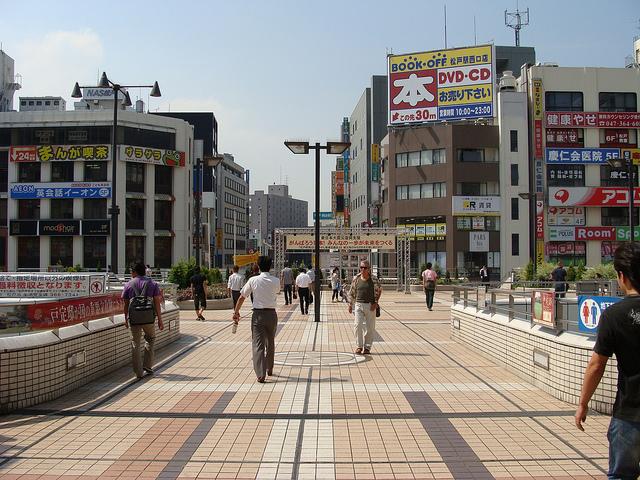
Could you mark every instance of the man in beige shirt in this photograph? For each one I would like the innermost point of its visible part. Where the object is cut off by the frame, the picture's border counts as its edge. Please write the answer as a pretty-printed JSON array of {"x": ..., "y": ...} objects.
[{"x": 364, "y": 294}]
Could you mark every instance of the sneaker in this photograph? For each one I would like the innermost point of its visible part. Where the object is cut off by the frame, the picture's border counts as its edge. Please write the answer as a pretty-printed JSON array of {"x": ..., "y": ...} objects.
[
  {"x": 366, "y": 351},
  {"x": 148, "y": 371},
  {"x": 201, "y": 318},
  {"x": 358, "y": 351}
]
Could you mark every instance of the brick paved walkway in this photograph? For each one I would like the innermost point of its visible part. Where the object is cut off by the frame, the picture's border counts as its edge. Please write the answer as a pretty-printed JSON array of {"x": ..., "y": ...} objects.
[{"x": 422, "y": 406}]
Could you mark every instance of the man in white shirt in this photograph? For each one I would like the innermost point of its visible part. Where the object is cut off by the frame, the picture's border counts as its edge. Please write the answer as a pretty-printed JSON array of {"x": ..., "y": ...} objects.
[
  {"x": 234, "y": 285},
  {"x": 264, "y": 319},
  {"x": 302, "y": 286}
]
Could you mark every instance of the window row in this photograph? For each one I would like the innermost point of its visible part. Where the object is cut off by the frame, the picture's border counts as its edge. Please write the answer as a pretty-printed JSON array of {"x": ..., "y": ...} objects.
[
  {"x": 477, "y": 188},
  {"x": 423, "y": 157},
  {"x": 574, "y": 102},
  {"x": 94, "y": 251},
  {"x": 421, "y": 190},
  {"x": 228, "y": 229},
  {"x": 234, "y": 185},
  {"x": 491, "y": 224},
  {"x": 574, "y": 176},
  {"x": 233, "y": 200},
  {"x": 229, "y": 214}
]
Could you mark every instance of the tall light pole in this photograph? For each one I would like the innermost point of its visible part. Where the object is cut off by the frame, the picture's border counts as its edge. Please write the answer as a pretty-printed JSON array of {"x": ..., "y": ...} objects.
[
  {"x": 114, "y": 211},
  {"x": 332, "y": 148}
]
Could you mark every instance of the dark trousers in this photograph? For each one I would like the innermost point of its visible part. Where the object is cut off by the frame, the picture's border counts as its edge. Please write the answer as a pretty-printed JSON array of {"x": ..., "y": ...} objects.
[
  {"x": 334, "y": 296},
  {"x": 235, "y": 294},
  {"x": 303, "y": 294},
  {"x": 263, "y": 333},
  {"x": 288, "y": 289},
  {"x": 430, "y": 294}
]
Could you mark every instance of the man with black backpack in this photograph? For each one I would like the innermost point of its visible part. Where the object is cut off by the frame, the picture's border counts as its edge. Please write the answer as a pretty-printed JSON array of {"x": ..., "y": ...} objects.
[{"x": 142, "y": 300}]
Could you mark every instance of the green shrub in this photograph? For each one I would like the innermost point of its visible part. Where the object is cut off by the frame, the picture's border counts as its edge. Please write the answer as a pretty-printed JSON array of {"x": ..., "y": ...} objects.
[
  {"x": 605, "y": 270},
  {"x": 182, "y": 272},
  {"x": 571, "y": 274}
]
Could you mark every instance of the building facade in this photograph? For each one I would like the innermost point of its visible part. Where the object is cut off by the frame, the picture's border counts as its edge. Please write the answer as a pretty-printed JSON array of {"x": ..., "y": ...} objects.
[
  {"x": 9, "y": 82},
  {"x": 233, "y": 205},
  {"x": 274, "y": 209},
  {"x": 42, "y": 104},
  {"x": 583, "y": 128},
  {"x": 59, "y": 185}
]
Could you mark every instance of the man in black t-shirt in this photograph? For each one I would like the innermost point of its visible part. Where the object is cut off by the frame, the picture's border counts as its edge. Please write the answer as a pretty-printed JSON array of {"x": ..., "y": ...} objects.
[
  {"x": 619, "y": 334},
  {"x": 559, "y": 275},
  {"x": 198, "y": 290}
]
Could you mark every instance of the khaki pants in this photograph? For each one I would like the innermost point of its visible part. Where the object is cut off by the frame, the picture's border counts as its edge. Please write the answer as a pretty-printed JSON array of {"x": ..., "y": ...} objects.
[
  {"x": 365, "y": 325},
  {"x": 263, "y": 331},
  {"x": 149, "y": 331}
]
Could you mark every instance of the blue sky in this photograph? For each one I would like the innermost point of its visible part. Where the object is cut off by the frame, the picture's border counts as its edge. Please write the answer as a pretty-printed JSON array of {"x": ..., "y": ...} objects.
[{"x": 272, "y": 70}]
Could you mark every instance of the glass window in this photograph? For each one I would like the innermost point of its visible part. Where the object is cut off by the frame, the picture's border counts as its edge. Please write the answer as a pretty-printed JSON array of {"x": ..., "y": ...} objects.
[
  {"x": 515, "y": 244},
  {"x": 469, "y": 188},
  {"x": 513, "y": 136},
  {"x": 62, "y": 171},
  {"x": 470, "y": 155},
  {"x": 463, "y": 223},
  {"x": 617, "y": 216},
  {"x": 61, "y": 208},
  {"x": 95, "y": 208},
  {"x": 135, "y": 213},
  {"x": 134, "y": 250},
  {"x": 426, "y": 157},
  {"x": 95, "y": 252},
  {"x": 162, "y": 252},
  {"x": 414, "y": 191},
  {"x": 515, "y": 175},
  {"x": 28, "y": 209},
  {"x": 4, "y": 170},
  {"x": 3, "y": 212},
  {"x": 402, "y": 192},
  {"x": 563, "y": 102},
  {"x": 95, "y": 171},
  {"x": 492, "y": 224},
  {"x": 515, "y": 209},
  {"x": 61, "y": 251},
  {"x": 402, "y": 159},
  {"x": 617, "y": 102},
  {"x": 414, "y": 159},
  {"x": 162, "y": 215},
  {"x": 28, "y": 171},
  {"x": 164, "y": 180},
  {"x": 565, "y": 175},
  {"x": 427, "y": 190},
  {"x": 439, "y": 156},
  {"x": 135, "y": 177},
  {"x": 29, "y": 253}
]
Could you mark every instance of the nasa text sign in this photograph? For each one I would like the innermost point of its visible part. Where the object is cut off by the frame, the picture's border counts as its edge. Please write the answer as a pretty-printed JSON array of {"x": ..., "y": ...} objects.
[
  {"x": 590, "y": 310},
  {"x": 452, "y": 84}
]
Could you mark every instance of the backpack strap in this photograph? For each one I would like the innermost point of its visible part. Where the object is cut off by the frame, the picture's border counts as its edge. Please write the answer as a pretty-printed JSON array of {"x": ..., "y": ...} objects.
[
  {"x": 135, "y": 289},
  {"x": 144, "y": 289}
]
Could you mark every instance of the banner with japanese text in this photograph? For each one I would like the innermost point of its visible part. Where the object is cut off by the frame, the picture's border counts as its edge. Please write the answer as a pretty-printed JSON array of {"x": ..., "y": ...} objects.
[
  {"x": 156, "y": 156},
  {"x": 364, "y": 241},
  {"x": 592, "y": 196},
  {"x": 51, "y": 285},
  {"x": 60, "y": 190},
  {"x": 451, "y": 84},
  {"x": 593, "y": 119},
  {"x": 59, "y": 153},
  {"x": 43, "y": 316}
]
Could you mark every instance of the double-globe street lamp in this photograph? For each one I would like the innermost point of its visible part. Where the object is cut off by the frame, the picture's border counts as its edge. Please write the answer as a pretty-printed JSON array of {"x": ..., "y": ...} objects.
[
  {"x": 619, "y": 163},
  {"x": 332, "y": 148},
  {"x": 116, "y": 88}
]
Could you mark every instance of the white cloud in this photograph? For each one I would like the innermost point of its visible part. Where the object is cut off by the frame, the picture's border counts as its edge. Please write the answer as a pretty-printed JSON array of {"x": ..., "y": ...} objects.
[{"x": 52, "y": 63}]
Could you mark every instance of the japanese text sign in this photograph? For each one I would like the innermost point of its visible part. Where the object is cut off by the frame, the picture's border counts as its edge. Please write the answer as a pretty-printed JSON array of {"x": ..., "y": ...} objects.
[
  {"x": 543, "y": 308},
  {"x": 60, "y": 190},
  {"x": 562, "y": 216},
  {"x": 593, "y": 119},
  {"x": 539, "y": 219},
  {"x": 48, "y": 285},
  {"x": 592, "y": 196},
  {"x": 69, "y": 312},
  {"x": 381, "y": 241},
  {"x": 58, "y": 153},
  {"x": 473, "y": 206},
  {"x": 590, "y": 310},
  {"x": 451, "y": 84},
  {"x": 538, "y": 108},
  {"x": 581, "y": 155},
  {"x": 156, "y": 156}
]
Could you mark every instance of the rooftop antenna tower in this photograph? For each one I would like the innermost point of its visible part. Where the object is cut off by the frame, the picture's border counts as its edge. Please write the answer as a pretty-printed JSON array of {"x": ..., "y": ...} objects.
[{"x": 517, "y": 20}]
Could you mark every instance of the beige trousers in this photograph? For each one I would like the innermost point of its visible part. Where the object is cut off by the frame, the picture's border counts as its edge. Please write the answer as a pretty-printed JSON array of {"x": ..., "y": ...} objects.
[
  {"x": 137, "y": 331},
  {"x": 364, "y": 325}
]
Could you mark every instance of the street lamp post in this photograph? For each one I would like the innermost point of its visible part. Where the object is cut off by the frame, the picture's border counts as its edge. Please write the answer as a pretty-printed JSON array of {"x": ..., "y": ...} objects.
[
  {"x": 332, "y": 148},
  {"x": 114, "y": 211}
]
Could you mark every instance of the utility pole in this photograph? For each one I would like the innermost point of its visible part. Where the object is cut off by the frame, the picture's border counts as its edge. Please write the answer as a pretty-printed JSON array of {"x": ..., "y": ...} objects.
[{"x": 517, "y": 20}]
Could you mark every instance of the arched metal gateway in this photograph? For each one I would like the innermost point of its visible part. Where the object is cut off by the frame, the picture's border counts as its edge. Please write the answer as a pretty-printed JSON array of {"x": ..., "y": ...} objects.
[{"x": 385, "y": 241}]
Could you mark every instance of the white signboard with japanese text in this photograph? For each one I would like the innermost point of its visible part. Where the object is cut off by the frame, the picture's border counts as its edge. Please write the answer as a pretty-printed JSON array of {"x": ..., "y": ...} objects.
[
  {"x": 475, "y": 206},
  {"x": 51, "y": 285},
  {"x": 566, "y": 216},
  {"x": 362, "y": 241}
]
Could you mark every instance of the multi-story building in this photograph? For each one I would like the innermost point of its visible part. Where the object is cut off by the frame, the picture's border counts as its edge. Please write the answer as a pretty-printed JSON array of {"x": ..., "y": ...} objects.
[
  {"x": 59, "y": 181},
  {"x": 274, "y": 209},
  {"x": 42, "y": 104},
  {"x": 232, "y": 218},
  {"x": 582, "y": 120},
  {"x": 368, "y": 123},
  {"x": 340, "y": 206},
  {"x": 9, "y": 82}
]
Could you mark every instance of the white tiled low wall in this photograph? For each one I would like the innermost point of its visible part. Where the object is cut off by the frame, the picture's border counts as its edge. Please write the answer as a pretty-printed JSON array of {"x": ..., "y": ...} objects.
[
  {"x": 514, "y": 343},
  {"x": 38, "y": 367}
]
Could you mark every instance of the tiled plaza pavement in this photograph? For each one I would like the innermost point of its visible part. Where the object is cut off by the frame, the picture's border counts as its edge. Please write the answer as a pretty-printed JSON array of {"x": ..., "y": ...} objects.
[{"x": 422, "y": 406}]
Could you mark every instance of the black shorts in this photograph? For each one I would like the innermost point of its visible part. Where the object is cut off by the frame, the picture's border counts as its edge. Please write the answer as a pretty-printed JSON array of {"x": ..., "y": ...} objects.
[{"x": 198, "y": 299}]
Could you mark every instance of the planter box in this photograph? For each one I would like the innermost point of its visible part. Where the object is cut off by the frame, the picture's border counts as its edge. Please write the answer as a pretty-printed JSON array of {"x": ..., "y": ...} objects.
[{"x": 212, "y": 304}]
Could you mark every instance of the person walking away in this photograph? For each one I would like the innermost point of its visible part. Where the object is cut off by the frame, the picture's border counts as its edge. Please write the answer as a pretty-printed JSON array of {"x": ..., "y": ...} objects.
[
  {"x": 364, "y": 294},
  {"x": 199, "y": 292},
  {"x": 234, "y": 285},
  {"x": 264, "y": 318},
  {"x": 286, "y": 281},
  {"x": 429, "y": 278},
  {"x": 147, "y": 271},
  {"x": 335, "y": 285},
  {"x": 619, "y": 335},
  {"x": 559, "y": 275},
  {"x": 302, "y": 286},
  {"x": 484, "y": 277},
  {"x": 142, "y": 305}
]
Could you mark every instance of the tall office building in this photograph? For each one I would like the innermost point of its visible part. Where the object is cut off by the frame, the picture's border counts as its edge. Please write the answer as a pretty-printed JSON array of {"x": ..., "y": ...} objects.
[
  {"x": 9, "y": 82},
  {"x": 232, "y": 219}
]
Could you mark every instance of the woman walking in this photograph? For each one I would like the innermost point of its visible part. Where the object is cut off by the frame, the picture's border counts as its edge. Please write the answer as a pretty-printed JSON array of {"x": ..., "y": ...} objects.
[
  {"x": 335, "y": 284},
  {"x": 429, "y": 278}
]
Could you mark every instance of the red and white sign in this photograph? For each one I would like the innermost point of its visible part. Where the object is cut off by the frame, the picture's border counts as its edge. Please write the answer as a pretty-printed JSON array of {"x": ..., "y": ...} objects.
[
  {"x": 616, "y": 137},
  {"x": 593, "y": 119},
  {"x": 563, "y": 137},
  {"x": 68, "y": 312},
  {"x": 537, "y": 133},
  {"x": 539, "y": 219},
  {"x": 565, "y": 248},
  {"x": 592, "y": 196},
  {"x": 566, "y": 216},
  {"x": 23, "y": 154},
  {"x": 595, "y": 233},
  {"x": 51, "y": 285}
]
